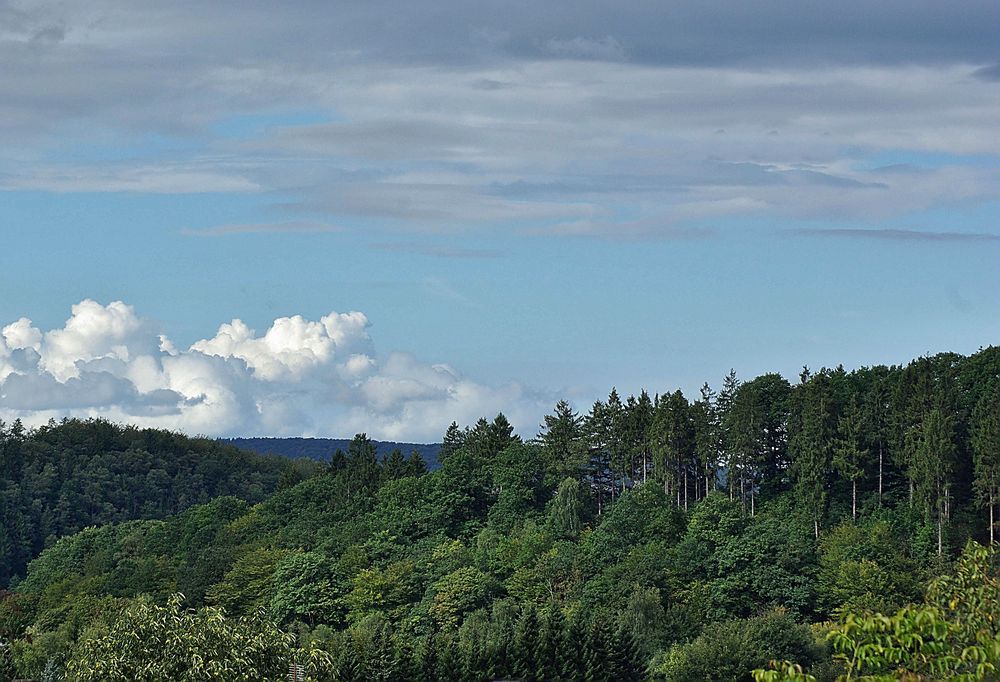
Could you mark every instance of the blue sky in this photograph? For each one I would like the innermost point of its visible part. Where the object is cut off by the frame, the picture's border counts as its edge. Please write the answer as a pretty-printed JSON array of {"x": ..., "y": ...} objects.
[{"x": 524, "y": 203}]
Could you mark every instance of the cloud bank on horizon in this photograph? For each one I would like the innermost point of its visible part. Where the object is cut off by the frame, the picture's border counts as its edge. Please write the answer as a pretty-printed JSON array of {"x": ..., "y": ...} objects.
[{"x": 300, "y": 377}]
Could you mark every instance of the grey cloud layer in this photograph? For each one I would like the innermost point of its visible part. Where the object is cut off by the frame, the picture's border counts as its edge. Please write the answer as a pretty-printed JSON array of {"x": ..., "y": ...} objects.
[
  {"x": 299, "y": 377},
  {"x": 547, "y": 118}
]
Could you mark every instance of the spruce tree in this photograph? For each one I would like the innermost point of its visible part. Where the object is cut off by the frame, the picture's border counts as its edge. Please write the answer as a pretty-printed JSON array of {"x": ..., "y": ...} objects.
[
  {"x": 523, "y": 646},
  {"x": 454, "y": 438},
  {"x": 565, "y": 447},
  {"x": 849, "y": 454},
  {"x": 986, "y": 452}
]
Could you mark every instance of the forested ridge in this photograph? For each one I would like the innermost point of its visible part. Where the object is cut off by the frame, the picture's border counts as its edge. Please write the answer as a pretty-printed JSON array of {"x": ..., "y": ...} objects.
[
  {"x": 323, "y": 448},
  {"x": 61, "y": 478},
  {"x": 649, "y": 537}
]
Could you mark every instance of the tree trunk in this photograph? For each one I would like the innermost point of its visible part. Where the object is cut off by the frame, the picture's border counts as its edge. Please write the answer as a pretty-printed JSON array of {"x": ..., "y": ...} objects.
[
  {"x": 685, "y": 490},
  {"x": 991, "y": 519},
  {"x": 880, "y": 473},
  {"x": 940, "y": 544},
  {"x": 753, "y": 506},
  {"x": 816, "y": 527},
  {"x": 854, "y": 499},
  {"x": 644, "y": 467}
]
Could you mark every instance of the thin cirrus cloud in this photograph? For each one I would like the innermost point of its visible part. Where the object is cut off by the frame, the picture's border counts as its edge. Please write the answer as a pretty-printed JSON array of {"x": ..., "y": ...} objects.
[
  {"x": 897, "y": 234},
  {"x": 436, "y": 250},
  {"x": 289, "y": 227},
  {"x": 299, "y": 377}
]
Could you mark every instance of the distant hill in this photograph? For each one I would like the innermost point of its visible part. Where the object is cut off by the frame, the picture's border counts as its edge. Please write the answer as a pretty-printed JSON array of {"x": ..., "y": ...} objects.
[{"x": 323, "y": 448}]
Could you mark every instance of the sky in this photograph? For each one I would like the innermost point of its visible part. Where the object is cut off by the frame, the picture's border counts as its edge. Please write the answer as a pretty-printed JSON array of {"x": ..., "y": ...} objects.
[{"x": 314, "y": 218}]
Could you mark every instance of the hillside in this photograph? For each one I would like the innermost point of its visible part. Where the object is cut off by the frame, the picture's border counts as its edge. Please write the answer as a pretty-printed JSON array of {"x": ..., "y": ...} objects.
[
  {"x": 608, "y": 549},
  {"x": 62, "y": 478},
  {"x": 321, "y": 449}
]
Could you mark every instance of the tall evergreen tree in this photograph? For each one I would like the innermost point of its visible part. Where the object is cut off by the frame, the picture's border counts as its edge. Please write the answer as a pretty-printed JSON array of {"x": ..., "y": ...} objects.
[
  {"x": 986, "y": 451},
  {"x": 850, "y": 454},
  {"x": 705, "y": 418},
  {"x": 454, "y": 438},
  {"x": 933, "y": 466},
  {"x": 565, "y": 446},
  {"x": 811, "y": 443}
]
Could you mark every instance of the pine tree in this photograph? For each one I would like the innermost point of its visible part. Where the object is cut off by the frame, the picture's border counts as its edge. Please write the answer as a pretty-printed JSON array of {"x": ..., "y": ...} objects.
[
  {"x": 454, "y": 438},
  {"x": 572, "y": 662},
  {"x": 362, "y": 464},
  {"x": 394, "y": 465},
  {"x": 595, "y": 652},
  {"x": 724, "y": 408},
  {"x": 548, "y": 644},
  {"x": 932, "y": 468},
  {"x": 617, "y": 442},
  {"x": 523, "y": 646},
  {"x": 627, "y": 656},
  {"x": 640, "y": 420},
  {"x": 705, "y": 418},
  {"x": 597, "y": 427},
  {"x": 986, "y": 451},
  {"x": 501, "y": 435},
  {"x": 565, "y": 447},
  {"x": 849, "y": 454},
  {"x": 876, "y": 422},
  {"x": 415, "y": 465},
  {"x": 811, "y": 443}
]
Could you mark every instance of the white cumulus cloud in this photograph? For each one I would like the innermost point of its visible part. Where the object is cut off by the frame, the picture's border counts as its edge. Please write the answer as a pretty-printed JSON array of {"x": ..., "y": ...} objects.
[{"x": 298, "y": 377}]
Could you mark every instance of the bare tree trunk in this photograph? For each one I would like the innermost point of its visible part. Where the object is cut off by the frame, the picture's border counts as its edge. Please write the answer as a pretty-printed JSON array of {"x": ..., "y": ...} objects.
[
  {"x": 991, "y": 519},
  {"x": 644, "y": 466},
  {"x": 753, "y": 506},
  {"x": 880, "y": 473},
  {"x": 816, "y": 527},
  {"x": 911, "y": 492},
  {"x": 854, "y": 500},
  {"x": 940, "y": 544},
  {"x": 685, "y": 490}
]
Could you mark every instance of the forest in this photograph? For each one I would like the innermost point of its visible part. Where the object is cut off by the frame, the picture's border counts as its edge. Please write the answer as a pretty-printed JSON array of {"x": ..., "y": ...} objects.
[{"x": 841, "y": 527}]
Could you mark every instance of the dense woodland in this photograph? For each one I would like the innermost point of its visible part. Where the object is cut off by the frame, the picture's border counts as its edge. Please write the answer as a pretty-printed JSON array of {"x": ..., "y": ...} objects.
[
  {"x": 62, "y": 478},
  {"x": 659, "y": 537}
]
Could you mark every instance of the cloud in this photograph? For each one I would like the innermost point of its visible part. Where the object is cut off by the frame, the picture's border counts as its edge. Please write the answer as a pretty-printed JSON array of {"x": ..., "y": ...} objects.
[
  {"x": 511, "y": 115},
  {"x": 300, "y": 226},
  {"x": 604, "y": 49},
  {"x": 299, "y": 377},
  {"x": 436, "y": 250},
  {"x": 897, "y": 234}
]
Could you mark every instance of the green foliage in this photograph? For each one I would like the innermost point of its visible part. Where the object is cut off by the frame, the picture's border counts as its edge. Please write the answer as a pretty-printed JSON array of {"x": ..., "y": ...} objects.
[
  {"x": 601, "y": 550},
  {"x": 729, "y": 651},
  {"x": 458, "y": 593},
  {"x": 64, "y": 477},
  {"x": 149, "y": 642}
]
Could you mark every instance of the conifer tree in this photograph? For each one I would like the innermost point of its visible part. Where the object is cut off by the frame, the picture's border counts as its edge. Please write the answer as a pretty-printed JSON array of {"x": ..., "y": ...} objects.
[
  {"x": 986, "y": 451},
  {"x": 549, "y": 642},
  {"x": 849, "y": 454},
  {"x": 454, "y": 438},
  {"x": 597, "y": 426},
  {"x": 564, "y": 444},
  {"x": 523, "y": 646},
  {"x": 933, "y": 465},
  {"x": 705, "y": 418},
  {"x": 811, "y": 443}
]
